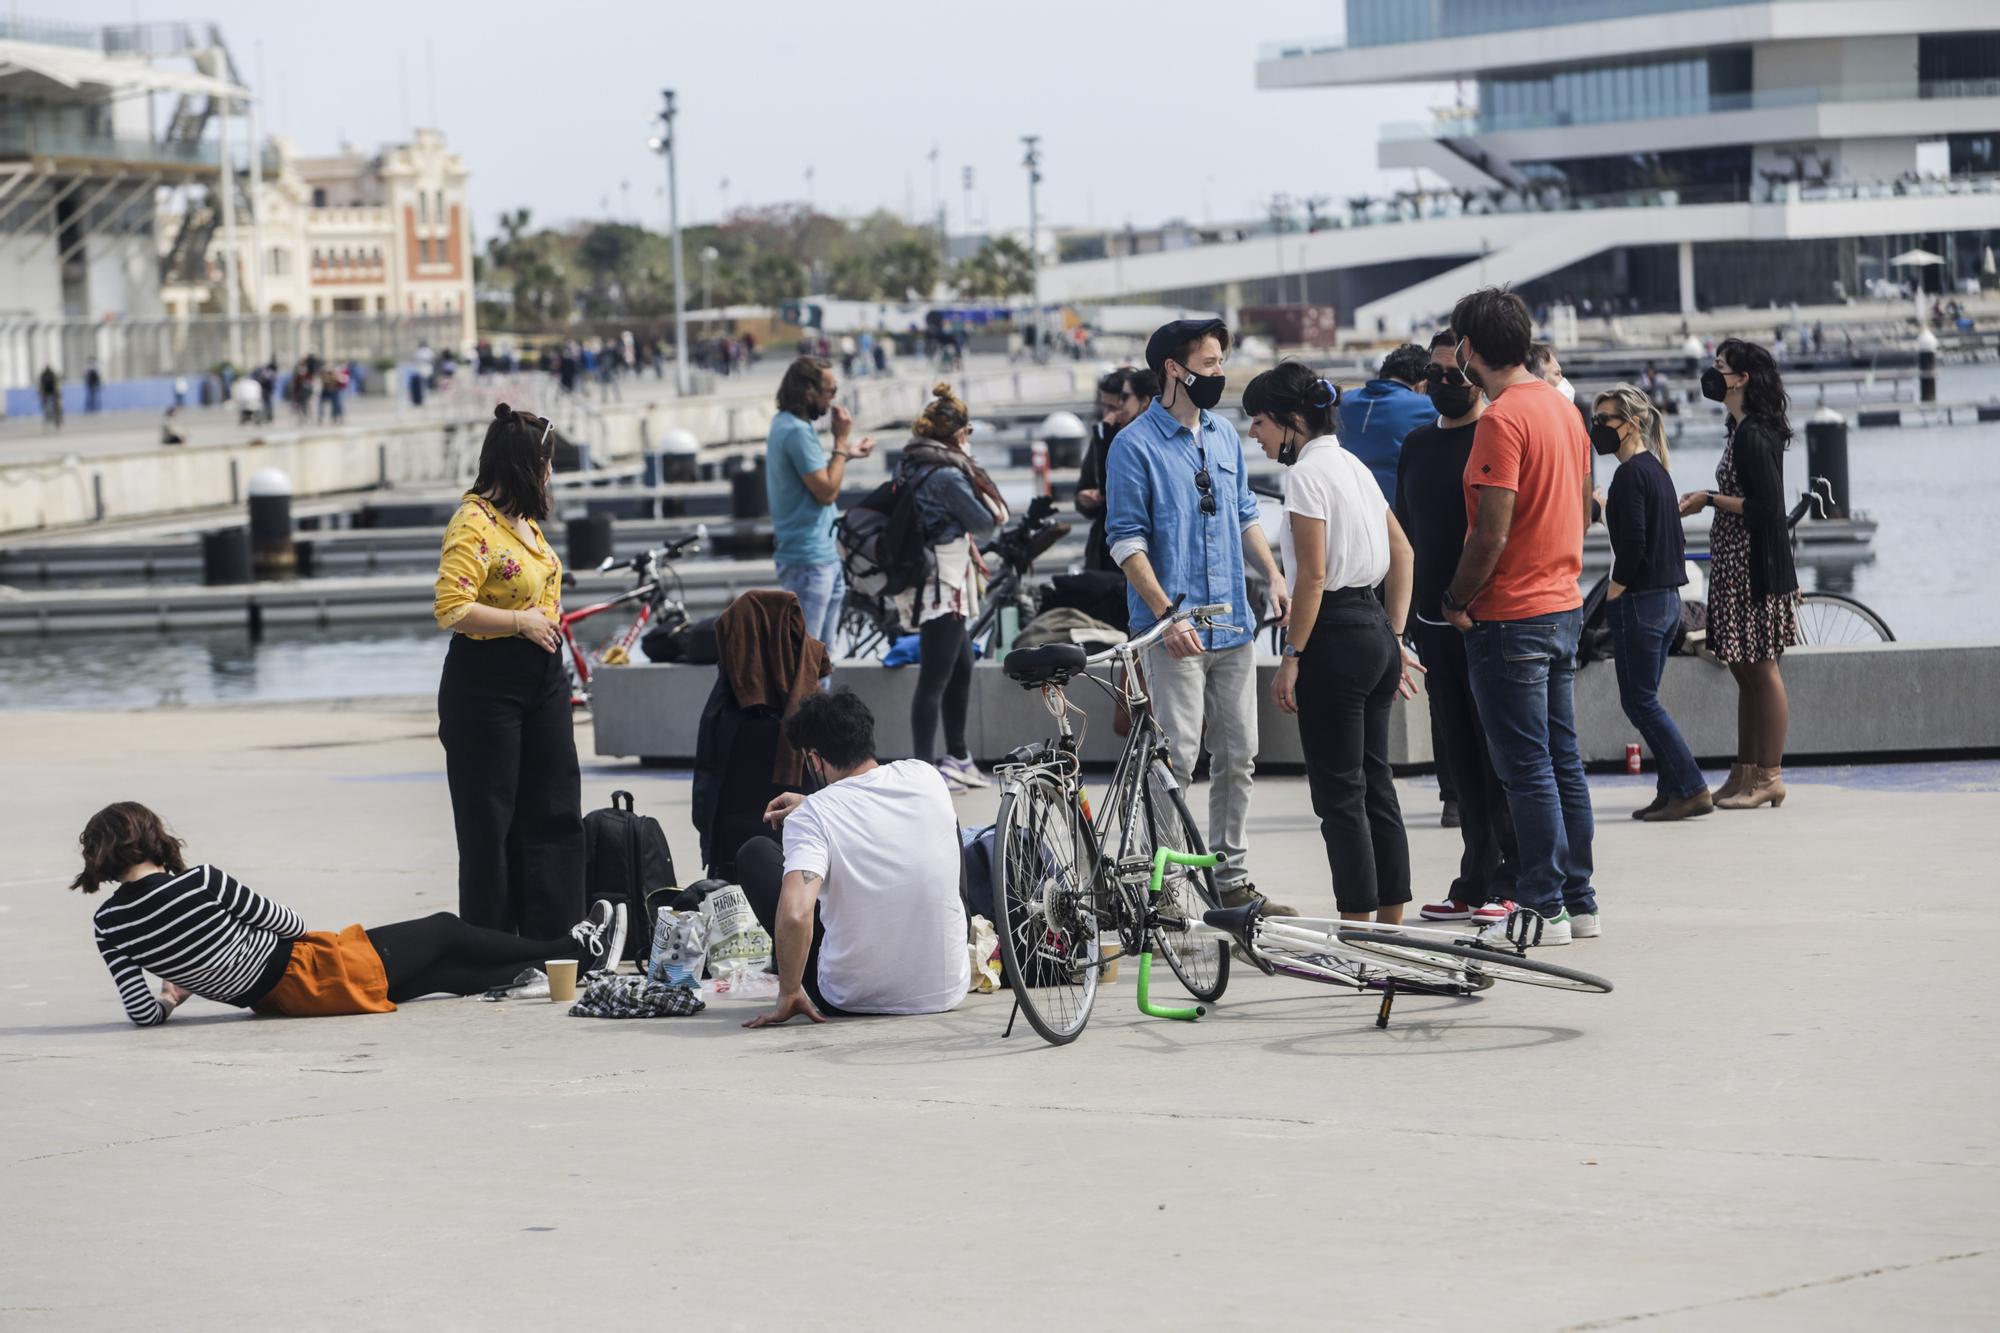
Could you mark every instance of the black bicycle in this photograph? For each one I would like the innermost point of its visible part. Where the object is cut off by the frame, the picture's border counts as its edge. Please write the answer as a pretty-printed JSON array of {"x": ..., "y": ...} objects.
[
  {"x": 869, "y": 623},
  {"x": 1068, "y": 883}
]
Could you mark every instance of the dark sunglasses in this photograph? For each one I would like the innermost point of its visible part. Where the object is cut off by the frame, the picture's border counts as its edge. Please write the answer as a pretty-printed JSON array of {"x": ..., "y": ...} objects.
[
  {"x": 1206, "y": 486},
  {"x": 1452, "y": 375},
  {"x": 1605, "y": 419}
]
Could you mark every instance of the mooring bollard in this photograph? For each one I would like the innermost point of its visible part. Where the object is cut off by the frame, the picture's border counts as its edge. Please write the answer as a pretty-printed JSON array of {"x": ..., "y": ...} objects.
[
  {"x": 589, "y": 542},
  {"x": 271, "y": 550},
  {"x": 1927, "y": 345},
  {"x": 1826, "y": 456},
  {"x": 680, "y": 456},
  {"x": 225, "y": 557},
  {"x": 747, "y": 496}
]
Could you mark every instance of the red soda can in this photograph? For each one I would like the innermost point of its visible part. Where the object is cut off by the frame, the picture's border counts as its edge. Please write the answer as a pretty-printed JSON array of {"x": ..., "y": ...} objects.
[{"x": 1632, "y": 764}]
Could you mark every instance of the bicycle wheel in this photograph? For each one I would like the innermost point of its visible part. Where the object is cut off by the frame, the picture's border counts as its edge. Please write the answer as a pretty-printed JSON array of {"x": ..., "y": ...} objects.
[
  {"x": 1468, "y": 956},
  {"x": 1200, "y": 959},
  {"x": 1829, "y": 618},
  {"x": 1042, "y": 875}
]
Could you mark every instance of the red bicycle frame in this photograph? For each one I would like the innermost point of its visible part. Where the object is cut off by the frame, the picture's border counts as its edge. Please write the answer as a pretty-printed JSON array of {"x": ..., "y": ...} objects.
[{"x": 579, "y": 661}]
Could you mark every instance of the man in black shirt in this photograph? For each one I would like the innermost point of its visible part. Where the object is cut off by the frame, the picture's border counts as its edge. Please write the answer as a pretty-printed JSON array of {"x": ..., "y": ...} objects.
[
  {"x": 1121, "y": 395},
  {"x": 1430, "y": 504}
]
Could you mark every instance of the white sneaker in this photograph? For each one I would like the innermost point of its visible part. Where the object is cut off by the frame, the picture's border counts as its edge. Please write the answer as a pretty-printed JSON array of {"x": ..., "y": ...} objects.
[
  {"x": 1583, "y": 926},
  {"x": 1525, "y": 929},
  {"x": 951, "y": 784},
  {"x": 964, "y": 770}
]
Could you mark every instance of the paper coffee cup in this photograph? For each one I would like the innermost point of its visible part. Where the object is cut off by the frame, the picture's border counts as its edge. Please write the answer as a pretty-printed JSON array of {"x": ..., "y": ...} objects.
[
  {"x": 562, "y": 979},
  {"x": 1109, "y": 972}
]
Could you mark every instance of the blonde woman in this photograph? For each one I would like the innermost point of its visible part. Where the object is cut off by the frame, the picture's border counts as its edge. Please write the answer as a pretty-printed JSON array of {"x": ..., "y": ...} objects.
[
  {"x": 958, "y": 505},
  {"x": 1643, "y": 603}
]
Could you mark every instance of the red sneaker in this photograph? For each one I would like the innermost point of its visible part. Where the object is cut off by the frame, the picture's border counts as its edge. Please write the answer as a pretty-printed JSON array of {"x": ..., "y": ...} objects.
[
  {"x": 1448, "y": 910},
  {"x": 1495, "y": 911}
]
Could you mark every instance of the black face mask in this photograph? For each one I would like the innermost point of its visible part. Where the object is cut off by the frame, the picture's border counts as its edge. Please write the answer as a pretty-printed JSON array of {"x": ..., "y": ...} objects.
[
  {"x": 1452, "y": 400},
  {"x": 1714, "y": 386},
  {"x": 1288, "y": 450},
  {"x": 1204, "y": 391},
  {"x": 1605, "y": 439}
]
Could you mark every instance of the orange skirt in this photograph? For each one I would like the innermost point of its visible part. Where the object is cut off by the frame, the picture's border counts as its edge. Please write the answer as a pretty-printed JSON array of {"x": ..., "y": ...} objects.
[{"x": 330, "y": 974}]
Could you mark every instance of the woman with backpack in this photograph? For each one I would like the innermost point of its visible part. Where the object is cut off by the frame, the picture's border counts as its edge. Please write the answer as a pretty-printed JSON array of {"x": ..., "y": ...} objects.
[
  {"x": 957, "y": 506},
  {"x": 203, "y": 933}
]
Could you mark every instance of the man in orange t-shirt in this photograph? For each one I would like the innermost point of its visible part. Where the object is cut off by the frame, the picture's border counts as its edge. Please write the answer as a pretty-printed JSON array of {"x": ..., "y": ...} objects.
[{"x": 1517, "y": 597}]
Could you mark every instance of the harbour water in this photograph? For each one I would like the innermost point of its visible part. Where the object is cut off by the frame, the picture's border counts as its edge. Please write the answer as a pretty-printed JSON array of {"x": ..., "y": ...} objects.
[{"x": 1933, "y": 490}]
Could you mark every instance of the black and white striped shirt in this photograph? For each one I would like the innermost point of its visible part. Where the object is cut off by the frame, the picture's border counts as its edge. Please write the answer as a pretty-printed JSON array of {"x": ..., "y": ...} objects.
[{"x": 199, "y": 929}]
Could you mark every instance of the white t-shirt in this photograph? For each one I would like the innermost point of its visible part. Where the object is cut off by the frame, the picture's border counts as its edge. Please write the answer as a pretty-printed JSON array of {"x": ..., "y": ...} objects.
[
  {"x": 886, "y": 843},
  {"x": 1332, "y": 485}
]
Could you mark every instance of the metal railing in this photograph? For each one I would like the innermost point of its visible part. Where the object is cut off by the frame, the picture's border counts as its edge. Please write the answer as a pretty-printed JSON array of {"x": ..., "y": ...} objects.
[
  {"x": 145, "y": 348},
  {"x": 19, "y": 139},
  {"x": 1474, "y": 123},
  {"x": 46, "y": 33}
]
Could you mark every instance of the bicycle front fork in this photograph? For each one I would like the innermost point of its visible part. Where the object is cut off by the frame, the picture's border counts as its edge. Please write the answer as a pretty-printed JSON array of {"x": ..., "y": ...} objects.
[{"x": 1161, "y": 857}]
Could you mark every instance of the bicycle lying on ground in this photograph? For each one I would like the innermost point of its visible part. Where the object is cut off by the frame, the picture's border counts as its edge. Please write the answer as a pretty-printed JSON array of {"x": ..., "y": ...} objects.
[
  {"x": 654, "y": 568},
  {"x": 1391, "y": 960}
]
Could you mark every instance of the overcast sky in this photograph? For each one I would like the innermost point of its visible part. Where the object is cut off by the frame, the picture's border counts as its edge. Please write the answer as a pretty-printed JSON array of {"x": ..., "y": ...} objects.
[{"x": 1146, "y": 112}]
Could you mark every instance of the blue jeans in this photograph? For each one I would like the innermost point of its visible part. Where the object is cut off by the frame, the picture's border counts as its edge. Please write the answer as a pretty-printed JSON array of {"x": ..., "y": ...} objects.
[
  {"x": 1522, "y": 676},
  {"x": 1643, "y": 626},
  {"x": 820, "y": 590}
]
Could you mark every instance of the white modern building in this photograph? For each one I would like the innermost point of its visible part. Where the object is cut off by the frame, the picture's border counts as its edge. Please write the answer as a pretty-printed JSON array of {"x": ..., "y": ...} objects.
[
  {"x": 86, "y": 144},
  {"x": 1640, "y": 154}
]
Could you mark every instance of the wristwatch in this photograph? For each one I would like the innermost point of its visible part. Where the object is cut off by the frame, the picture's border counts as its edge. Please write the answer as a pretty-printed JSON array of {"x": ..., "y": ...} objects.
[
  {"x": 1290, "y": 649},
  {"x": 1452, "y": 603}
]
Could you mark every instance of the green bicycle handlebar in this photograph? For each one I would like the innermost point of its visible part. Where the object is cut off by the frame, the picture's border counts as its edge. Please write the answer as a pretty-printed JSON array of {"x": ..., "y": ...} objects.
[{"x": 1161, "y": 857}]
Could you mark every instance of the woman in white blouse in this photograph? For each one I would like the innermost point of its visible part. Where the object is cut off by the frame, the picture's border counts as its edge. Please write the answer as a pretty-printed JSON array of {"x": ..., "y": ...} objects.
[{"x": 1344, "y": 661}]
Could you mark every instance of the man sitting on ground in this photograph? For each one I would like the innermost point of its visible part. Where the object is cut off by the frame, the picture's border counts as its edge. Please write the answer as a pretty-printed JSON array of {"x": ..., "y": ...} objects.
[{"x": 863, "y": 900}]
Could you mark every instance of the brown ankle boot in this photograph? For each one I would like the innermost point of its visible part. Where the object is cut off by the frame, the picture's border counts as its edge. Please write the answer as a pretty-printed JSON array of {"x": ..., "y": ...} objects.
[
  {"x": 1766, "y": 786},
  {"x": 1686, "y": 807},
  {"x": 1739, "y": 775}
]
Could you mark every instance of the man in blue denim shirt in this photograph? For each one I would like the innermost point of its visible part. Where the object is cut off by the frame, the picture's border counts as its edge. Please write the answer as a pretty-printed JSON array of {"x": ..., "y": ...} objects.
[{"x": 1179, "y": 515}]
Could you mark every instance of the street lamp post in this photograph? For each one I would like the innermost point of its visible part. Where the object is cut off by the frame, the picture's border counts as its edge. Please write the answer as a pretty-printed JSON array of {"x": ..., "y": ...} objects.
[
  {"x": 663, "y": 144},
  {"x": 1033, "y": 162},
  {"x": 709, "y": 254}
]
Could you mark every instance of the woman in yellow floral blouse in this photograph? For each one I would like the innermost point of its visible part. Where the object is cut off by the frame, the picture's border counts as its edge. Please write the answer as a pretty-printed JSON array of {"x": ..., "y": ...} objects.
[{"x": 504, "y": 705}]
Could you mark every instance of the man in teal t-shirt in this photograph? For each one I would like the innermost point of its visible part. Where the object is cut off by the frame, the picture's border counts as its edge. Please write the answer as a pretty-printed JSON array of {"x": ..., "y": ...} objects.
[{"x": 803, "y": 481}]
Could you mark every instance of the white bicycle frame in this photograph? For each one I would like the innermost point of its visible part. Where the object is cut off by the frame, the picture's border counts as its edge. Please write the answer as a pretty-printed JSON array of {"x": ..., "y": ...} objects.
[{"x": 1305, "y": 947}]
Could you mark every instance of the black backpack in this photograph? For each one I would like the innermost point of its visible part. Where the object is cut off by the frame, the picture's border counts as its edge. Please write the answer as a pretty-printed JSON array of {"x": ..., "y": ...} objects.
[
  {"x": 627, "y": 858},
  {"x": 881, "y": 540}
]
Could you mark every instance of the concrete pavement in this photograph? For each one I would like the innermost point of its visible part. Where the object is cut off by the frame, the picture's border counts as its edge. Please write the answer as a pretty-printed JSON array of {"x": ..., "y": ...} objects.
[{"x": 1782, "y": 1118}]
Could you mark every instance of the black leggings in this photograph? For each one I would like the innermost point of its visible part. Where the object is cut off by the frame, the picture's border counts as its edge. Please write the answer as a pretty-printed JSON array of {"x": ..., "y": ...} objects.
[
  {"x": 944, "y": 685},
  {"x": 442, "y": 953}
]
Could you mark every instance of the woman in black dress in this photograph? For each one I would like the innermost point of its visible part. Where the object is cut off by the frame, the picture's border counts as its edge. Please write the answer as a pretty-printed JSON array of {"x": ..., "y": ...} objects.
[{"x": 1753, "y": 584}]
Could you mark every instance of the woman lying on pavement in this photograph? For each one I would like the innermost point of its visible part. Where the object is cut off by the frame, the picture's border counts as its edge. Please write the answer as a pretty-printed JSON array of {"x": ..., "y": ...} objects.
[{"x": 202, "y": 933}]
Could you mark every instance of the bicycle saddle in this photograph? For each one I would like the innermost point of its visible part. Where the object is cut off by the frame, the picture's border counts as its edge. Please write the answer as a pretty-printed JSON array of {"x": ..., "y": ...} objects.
[
  {"x": 1239, "y": 922},
  {"x": 1049, "y": 664}
]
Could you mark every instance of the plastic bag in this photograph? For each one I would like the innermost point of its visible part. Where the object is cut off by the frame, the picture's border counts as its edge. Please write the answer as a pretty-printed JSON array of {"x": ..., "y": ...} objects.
[
  {"x": 741, "y": 982},
  {"x": 985, "y": 952},
  {"x": 680, "y": 948},
  {"x": 734, "y": 937}
]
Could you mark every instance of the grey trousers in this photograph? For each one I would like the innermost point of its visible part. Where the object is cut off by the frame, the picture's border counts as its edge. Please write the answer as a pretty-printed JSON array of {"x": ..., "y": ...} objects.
[{"x": 1216, "y": 693}]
